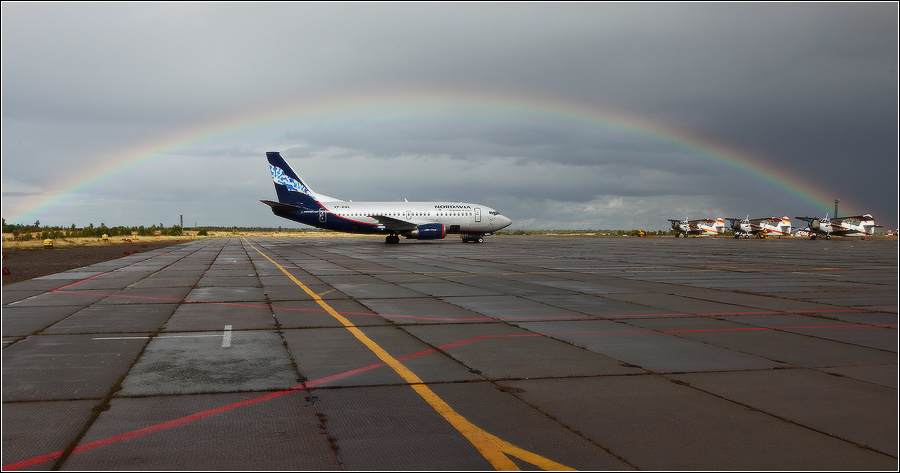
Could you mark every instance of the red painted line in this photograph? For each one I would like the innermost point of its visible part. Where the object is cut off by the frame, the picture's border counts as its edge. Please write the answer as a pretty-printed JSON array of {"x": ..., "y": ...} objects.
[
  {"x": 79, "y": 282},
  {"x": 816, "y": 311},
  {"x": 475, "y": 339},
  {"x": 124, "y": 297},
  {"x": 474, "y": 319},
  {"x": 203, "y": 414},
  {"x": 197, "y": 416},
  {"x": 60, "y": 291},
  {"x": 416, "y": 355},
  {"x": 780, "y": 328},
  {"x": 221, "y": 409},
  {"x": 572, "y": 317},
  {"x": 162, "y": 299},
  {"x": 725, "y": 329},
  {"x": 147, "y": 430},
  {"x": 32, "y": 461},
  {"x": 364, "y": 368},
  {"x": 341, "y": 375},
  {"x": 703, "y": 314},
  {"x": 440, "y": 319}
]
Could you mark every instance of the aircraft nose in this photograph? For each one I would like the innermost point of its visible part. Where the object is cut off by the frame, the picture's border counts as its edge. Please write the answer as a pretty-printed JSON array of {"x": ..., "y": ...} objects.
[{"x": 504, "y": 221}]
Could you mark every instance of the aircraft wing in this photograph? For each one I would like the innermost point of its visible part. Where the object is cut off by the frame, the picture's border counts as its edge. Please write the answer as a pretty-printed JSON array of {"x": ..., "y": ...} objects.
[
  {"x": 394, "y": 224},
  {"x": 760, "y": 223},
  {"x": 853, "y": 220}
]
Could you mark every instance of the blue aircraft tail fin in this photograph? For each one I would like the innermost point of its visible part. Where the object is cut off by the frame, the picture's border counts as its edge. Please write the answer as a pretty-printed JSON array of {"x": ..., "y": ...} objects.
[{"x": 288, "y": 185}]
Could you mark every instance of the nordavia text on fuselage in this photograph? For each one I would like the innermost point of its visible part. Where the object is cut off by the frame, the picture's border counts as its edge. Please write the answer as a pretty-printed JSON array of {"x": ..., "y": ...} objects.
[{"x": 418, "y": 220}]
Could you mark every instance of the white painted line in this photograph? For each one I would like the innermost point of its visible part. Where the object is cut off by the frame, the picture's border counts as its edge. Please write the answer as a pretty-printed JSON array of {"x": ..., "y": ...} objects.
[{"x": 226, "y": 337}]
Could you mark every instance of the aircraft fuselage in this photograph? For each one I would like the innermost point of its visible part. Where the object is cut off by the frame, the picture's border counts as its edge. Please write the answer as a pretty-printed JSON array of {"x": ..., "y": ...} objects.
[
  {"x": 416, "y": 220},
  {"x": 359, "y": 217}
]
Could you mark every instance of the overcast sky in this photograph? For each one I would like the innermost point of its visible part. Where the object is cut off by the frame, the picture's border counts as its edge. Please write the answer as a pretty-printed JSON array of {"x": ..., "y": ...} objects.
[{"x": 560, "y": 116}]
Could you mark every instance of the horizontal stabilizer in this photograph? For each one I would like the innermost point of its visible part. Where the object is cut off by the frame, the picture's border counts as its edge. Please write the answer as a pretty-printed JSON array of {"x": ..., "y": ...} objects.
[{"x": 281, "y": 207}]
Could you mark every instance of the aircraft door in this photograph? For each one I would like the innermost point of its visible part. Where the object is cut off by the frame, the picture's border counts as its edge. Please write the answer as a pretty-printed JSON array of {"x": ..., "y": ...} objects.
[
  {"x": 409, "y": 214},
  {"x": 477, "y": 215},
  {"x": 323, "y": 214}
]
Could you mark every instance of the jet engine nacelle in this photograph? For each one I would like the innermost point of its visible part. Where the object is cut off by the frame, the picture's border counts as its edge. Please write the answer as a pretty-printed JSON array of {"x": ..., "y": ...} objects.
[{"x": 428, "y": 231}]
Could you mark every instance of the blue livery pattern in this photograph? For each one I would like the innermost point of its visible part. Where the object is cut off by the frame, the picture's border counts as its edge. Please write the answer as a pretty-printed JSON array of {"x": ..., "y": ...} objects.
[{"x": 279, "y": 176}]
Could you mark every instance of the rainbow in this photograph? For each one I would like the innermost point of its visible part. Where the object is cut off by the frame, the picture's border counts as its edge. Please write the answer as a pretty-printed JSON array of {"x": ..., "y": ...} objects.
[{"x": 339, "y": 109}]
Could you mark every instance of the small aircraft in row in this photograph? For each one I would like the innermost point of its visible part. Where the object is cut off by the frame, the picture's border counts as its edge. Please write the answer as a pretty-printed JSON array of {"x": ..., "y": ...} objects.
[
  {"x": 856, "y": 226},
  {"x": 703, "y": 227},
  {"x": 760, "y": 227},
  {"x": 859, "y": 225}
]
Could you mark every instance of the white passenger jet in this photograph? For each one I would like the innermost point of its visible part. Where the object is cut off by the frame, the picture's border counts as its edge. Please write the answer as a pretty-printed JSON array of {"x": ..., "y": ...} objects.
[
  {"x": 860, "y": 225},
  {"x": 761, "y": 227},
  {"x": 705, "y": 227},
  {"x": 417, "y": 220}
]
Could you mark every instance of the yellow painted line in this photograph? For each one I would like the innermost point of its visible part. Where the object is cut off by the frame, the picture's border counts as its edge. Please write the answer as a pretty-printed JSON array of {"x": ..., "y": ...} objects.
[{"x": 494, "y": 449}]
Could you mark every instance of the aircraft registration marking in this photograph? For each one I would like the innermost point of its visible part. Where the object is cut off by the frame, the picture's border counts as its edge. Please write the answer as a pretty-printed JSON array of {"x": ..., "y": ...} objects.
[{"x": 493, "y": 448}]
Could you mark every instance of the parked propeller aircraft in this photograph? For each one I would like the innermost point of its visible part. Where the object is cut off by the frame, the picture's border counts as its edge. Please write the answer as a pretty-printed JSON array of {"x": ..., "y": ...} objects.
[
  {"x": 418, "y": 220},
  {"x": 761, "y": 227},
  {"x": 860, "y": 225},
  {"x": 705, "y": 227}
]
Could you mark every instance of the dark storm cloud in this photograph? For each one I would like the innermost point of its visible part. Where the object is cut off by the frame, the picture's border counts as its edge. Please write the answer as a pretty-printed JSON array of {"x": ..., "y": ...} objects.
[{"x": 806, "y": 88}]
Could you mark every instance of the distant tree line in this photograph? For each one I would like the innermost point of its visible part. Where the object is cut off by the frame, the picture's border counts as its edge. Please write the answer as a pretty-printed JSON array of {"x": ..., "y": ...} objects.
[
  {"x": 22, "y": 232},
  {"x": 265, "y": 229}
]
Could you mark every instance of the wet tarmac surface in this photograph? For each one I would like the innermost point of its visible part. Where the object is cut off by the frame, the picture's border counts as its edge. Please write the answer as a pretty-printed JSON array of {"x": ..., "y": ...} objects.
[{"x": 524, "y": 352}]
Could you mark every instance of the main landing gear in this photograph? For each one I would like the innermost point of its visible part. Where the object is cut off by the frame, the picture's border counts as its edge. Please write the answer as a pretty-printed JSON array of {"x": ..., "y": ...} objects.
[{"x": 466, "y": 238}]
